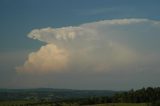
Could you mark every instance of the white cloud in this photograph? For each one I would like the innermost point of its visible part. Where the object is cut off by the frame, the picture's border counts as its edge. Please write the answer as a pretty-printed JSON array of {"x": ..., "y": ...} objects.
[
  {"x": 97, "y": 46},
  {"x": 48, "y": 58}
]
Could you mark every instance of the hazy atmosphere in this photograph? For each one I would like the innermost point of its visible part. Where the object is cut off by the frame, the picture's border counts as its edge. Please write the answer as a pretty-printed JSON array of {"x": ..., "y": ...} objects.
[{"x": 80, "y": 44}]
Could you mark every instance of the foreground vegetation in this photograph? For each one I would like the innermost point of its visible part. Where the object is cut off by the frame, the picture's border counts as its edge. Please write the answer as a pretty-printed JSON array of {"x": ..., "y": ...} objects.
[
  {"x": 142, "y": 97},
  {"x": 121, "y": 104},
  {"x": 27, "y": 103}
]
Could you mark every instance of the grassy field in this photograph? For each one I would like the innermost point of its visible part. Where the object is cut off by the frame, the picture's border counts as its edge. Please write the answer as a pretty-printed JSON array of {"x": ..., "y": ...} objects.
[
  {"x": 21, "y": 103},
  {"x": 120, "y": 104},
  {"x": 15, "y": 103}
]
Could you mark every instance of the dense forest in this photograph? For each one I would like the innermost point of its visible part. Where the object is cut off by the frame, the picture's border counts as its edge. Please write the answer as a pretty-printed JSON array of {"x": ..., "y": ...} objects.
[
  {"x": 144, "y": 95},
  {"x": 138, "y": 96}
]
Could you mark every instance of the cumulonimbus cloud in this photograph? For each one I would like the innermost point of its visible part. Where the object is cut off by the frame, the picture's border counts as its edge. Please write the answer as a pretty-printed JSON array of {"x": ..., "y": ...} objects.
[
  {"x": 48, "y": 58},
  {"x": 99, "y": 46}
]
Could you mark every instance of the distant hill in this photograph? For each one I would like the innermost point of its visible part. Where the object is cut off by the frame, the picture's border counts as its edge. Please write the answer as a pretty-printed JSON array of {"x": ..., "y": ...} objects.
[{"x": 50, "y": 94}]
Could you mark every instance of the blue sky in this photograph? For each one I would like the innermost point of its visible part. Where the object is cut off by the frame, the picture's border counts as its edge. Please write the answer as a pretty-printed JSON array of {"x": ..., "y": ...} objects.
[{"x": 18, "y": 18}]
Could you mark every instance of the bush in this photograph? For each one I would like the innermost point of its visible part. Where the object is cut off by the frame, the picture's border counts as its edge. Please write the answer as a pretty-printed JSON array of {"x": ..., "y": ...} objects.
[{"x": 156, "y": 103}]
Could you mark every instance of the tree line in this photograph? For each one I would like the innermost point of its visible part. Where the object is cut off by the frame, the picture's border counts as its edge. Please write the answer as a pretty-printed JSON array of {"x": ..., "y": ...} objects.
[{"x": 145, "y": 95}]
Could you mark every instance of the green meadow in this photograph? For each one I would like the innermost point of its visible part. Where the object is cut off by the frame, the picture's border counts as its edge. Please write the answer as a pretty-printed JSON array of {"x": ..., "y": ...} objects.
[
  {"x": 24, "y": 103},
  {"x": 120, "y": 104}
]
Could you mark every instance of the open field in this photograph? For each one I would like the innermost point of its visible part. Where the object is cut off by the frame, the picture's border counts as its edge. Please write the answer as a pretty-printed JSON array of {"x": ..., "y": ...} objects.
[
  {"x": 120, "y": 104},
  {"x": 14, "y": 103},
  {"x": 23, "y": 103}
]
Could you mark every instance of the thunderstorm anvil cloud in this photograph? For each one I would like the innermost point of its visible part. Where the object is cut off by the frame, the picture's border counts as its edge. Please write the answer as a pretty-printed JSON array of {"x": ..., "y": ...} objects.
[{"x": 100, "y": 46}]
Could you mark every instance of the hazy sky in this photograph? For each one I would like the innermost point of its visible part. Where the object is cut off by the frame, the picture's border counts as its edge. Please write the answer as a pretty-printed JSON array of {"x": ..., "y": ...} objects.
[{"x": 80, "y": 44}]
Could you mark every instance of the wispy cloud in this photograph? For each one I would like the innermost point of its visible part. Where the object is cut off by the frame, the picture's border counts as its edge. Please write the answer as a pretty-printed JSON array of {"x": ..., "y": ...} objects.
[{"x": 100, "y": 46}]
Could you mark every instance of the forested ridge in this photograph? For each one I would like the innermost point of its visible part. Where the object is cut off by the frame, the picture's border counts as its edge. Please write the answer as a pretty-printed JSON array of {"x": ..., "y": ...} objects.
[
  {"x": 144, "y": 95},
  {"x": 138, "y": 96}
]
